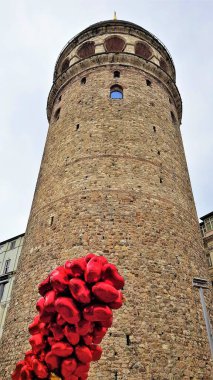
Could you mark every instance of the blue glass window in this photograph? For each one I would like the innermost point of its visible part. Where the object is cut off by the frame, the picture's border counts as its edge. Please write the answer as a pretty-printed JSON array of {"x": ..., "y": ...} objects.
[{"x": 116, "y": 92}]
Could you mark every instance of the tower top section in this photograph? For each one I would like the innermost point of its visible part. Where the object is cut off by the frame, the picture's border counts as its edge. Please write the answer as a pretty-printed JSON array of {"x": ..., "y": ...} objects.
[{"x": 113, "y": 42}]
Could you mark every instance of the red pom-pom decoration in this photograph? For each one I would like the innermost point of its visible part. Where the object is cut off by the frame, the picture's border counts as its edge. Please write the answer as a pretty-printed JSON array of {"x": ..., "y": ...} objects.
[{"x": 75, "y": 312}]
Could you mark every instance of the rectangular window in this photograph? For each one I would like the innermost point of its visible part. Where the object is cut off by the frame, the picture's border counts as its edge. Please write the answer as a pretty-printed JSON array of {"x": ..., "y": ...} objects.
[
  {"x": 209, "y": 260},
  {"x": 209, "y": 224},
  {"x": 2, "y": 287},
  {"x": 12, "y": 244},
  {"x": 7, "y": 266}
]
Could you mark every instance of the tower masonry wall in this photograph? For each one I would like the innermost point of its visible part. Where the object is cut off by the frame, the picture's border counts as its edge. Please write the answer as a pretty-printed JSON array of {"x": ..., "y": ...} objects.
[{"x": 114, "y": 180}]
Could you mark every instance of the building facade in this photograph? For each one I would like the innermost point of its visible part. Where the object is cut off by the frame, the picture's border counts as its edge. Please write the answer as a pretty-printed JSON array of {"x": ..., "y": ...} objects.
[
  {"x": 10, "y": 251},
  {"x": 206, "y": 227},
  {"x": 114, "y": 180}
]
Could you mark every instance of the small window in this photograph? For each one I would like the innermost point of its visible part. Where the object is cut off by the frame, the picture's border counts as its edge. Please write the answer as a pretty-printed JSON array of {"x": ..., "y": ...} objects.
[
  {"x": 7, "y": 266},
  {"x": 13, "y": 244},
  {"x": 65, "y": 65},
  {"x": 128, "y": 340},
  {"x": 57, "y": 114},
  {"x": 117, "y": 74},
  {"x": 116, "y": 92},
  {"x": 2, "y": 287},
  {"x": 83, "y": 80},
  {"x": 148, "y": 82},
  {"x": 51, "y": 221},
  {"x": 173, "y": 118},
  {"x": 209, "y": 261}
]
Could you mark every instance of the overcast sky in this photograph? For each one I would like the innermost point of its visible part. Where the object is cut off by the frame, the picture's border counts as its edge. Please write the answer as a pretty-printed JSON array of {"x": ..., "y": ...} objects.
[{"x": 32, "y": 33}]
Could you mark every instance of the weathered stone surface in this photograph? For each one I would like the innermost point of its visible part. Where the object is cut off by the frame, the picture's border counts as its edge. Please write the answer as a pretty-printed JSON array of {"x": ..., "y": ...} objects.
[{"x": 114, "y": 179}]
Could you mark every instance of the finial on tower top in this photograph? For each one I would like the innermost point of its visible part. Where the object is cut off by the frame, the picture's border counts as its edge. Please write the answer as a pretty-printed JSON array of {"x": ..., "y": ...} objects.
[{"x": 115, "y": 16}]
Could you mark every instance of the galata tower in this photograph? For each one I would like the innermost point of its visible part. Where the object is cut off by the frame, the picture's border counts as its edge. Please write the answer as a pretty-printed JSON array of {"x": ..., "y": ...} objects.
[{"x": 114, "y": 180}]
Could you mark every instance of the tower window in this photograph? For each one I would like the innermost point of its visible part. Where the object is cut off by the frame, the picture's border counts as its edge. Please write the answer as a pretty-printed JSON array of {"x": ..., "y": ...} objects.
[
  {"x": 57, "y": 114},
  {"x": 51, "y": 221},
  {"x": 116, "y": 92},
  {"x": 114, "y": 44},
  {"x": 117, "y": 74},
  {"x": 148, "y": 82},
  {"x": 86, "y": 50},
  {"x": 173, "y": 118},
  {"x": 83, "y": 80},
  {"x": 65, "y": 65},
  {"x": 143, "y": 50},
  {"x": 128, "y": 340},
  {"x": 77, "y": 126},
  {"x": 163, "y": 64}
]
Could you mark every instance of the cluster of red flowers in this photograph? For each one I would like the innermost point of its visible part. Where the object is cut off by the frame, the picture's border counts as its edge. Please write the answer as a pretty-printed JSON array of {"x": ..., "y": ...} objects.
[{"x": 75, "y": 312}]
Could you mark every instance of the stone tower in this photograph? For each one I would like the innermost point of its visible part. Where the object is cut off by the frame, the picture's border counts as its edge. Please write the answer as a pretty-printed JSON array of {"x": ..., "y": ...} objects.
[{"x": 114, "y": 179}]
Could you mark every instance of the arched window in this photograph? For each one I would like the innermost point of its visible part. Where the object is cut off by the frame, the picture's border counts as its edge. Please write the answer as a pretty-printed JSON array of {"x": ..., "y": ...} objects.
[
  {"x": 117, "y": 74},
  {"x": 114, "y": 44},
  {"x": 65, "y": 65},
  {"x": 143, "y": 50},
  {"x": 116, "y": 92},
  {"x": 86, "y": 50},
  {"x": 163, "y": 65}
]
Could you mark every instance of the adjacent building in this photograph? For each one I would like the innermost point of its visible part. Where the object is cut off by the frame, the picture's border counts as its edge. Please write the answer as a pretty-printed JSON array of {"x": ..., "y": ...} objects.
[
  {"x": 9, "y": 255},
  {"x": 206, "y": 227}
]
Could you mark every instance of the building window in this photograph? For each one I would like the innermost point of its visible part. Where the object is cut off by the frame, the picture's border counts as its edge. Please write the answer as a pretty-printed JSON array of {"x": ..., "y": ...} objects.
[
  {"x": 117, "y": 74},
  {"x": 2, "y": 287},
  {"x": 208, "y": 224},
  {"x": 57, "y": 114},
  {"x": 114, "y": 44},
  {"x": 174, "y": 121},
  {"x": 143, "y": 50},
  {"x": 209, "y": 260},
  {"x": 7, "y": 266},
  {"x": 116, "y": 92},
  {"x": 83, "y": 80},
  {"x": 163, "y": 65},
  {"x": 65, "y": 65},
  {"x": 13, "y": 244},
  {"x": 203, "y": 229},
  {"x": 86, "y": 50}
]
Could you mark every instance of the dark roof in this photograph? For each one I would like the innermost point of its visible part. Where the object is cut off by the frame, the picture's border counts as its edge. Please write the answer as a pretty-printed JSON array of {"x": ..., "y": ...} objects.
[
  {"x": 11, "y": 239},
  {"x": 207, "y": 215}
]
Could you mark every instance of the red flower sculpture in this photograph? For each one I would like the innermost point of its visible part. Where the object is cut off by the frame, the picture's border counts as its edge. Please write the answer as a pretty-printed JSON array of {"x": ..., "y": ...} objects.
[{"x": 75, "y": 312}]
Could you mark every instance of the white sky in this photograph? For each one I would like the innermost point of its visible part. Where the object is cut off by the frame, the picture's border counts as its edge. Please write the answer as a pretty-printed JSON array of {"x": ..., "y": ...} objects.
[{"x": 32, "y": 33}]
